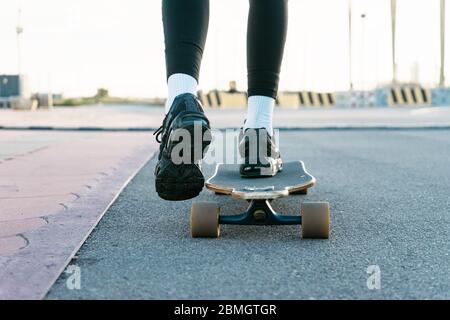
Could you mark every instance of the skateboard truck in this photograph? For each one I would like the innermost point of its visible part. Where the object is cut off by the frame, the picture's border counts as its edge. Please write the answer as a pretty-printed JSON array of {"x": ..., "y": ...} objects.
[
  {"x": 259, "y": 212},
  {"x": 314, "y": 218}
]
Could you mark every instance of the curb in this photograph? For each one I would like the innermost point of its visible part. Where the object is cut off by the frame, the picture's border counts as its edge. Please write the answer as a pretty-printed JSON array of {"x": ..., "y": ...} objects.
[{"x": 325, "y": 127}]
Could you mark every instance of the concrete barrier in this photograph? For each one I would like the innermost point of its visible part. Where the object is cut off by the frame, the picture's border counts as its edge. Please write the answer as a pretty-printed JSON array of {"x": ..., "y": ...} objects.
[
  {"x": 213, "y": 98},
  {"x": 408, "y": 95},
  {"x": 306, "y": 99},
  {"x": 229, "y": 99},
  {"x": 381, "y": 97},
  {"x": 440, "y": 97},
  {"x": 235, "y": 99},
  {"x": 223, "y": 99},
  {"x": 288, "y": 99},
  {"x": 389, "y": 96},
  {"x": 316, "y": 99},
  {"x": 203, "y": 98},
  {"x": 355, "y": 99}
]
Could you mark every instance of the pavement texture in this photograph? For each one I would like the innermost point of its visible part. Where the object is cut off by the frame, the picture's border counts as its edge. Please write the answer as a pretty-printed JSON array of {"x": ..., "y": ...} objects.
[
  {"x": 125, "y": 117},
  {"x": 54, "y": 188},
  {"x": 390, "y": 206}
]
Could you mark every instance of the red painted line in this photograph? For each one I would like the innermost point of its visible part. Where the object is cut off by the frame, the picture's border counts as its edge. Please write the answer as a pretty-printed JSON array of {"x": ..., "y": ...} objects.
[{"x": 39, "y": 235}]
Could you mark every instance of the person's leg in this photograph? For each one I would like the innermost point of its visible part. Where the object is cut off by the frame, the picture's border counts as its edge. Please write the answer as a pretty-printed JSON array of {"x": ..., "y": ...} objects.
[
  {"x": 266, "y": 36},
  {"x": 185, "y": 132},
  {"x": 185, "y": 30}
]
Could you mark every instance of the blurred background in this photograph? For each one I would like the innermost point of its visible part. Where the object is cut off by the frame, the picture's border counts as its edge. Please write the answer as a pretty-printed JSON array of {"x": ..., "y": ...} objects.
[
  {"x": 338, "y": 52},
  {"x": 364, "y": 100}
]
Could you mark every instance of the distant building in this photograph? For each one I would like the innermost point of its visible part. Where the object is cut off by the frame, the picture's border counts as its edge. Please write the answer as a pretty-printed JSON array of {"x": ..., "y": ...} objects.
[
  {"x": 57, "y": 96},
  {"x": 9, "y": 86},
  {"x": 15, "y": 92}
]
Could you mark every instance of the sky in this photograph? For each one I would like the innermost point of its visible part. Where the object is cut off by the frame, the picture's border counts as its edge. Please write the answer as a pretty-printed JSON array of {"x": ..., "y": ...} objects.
[{"x": 76, "y": 46}]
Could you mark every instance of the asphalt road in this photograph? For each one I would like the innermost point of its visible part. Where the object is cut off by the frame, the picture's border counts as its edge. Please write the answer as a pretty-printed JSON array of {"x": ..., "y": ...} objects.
[{"x": 389, "y": 194}]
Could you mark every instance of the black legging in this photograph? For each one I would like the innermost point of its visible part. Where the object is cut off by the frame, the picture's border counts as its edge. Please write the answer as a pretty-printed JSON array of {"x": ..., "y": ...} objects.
[{"x": 186, "y": 26}]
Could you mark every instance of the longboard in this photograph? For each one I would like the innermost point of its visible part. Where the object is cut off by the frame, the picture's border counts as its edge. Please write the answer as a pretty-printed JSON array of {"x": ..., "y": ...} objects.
[
  {"x": 293, "y": 179},
  {"x": 314, "y": 217}
]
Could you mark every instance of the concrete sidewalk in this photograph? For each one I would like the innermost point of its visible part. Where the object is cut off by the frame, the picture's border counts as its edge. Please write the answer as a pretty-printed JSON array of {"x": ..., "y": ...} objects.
[
  {"x": 390, "y": 208},
  {"x": 122, "y": 117}
]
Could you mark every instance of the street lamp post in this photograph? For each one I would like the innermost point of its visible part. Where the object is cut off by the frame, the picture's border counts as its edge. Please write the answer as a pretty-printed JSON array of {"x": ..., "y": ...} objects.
[
  {"x": 393, "y": 23},
  {"x": 350, "y": 66},
  {"x": 363, "y": 50},
  {"x": 442, "y": 71},
  {"x": 19, "y": 31}
]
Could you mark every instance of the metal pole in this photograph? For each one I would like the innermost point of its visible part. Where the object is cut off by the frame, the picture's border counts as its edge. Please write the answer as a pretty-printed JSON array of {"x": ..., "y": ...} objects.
[
  {"x": 19, "y": 30},
  {"x": 394, "y": 56},
  {"x": 350, "y": 67},
  {"x": 363, "y": 51},
  {"x": 442, "y": 73}
]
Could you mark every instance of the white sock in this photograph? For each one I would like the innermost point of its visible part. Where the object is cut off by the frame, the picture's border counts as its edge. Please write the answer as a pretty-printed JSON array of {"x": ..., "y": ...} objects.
[
  {"x": 260, "y": 113},
  {"x": 177, "y": 84}
]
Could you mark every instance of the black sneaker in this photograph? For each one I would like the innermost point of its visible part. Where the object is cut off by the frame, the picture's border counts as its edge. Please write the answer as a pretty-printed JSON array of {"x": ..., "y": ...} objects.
[
  {"x": 261, "y": 157},
  {"x": 184, "y": 137}
]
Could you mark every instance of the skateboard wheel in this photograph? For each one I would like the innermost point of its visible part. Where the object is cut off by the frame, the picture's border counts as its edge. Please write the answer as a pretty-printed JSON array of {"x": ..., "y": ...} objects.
[
  {"x": 315, "y": 220},
  {"x": 205, "y": 220}
]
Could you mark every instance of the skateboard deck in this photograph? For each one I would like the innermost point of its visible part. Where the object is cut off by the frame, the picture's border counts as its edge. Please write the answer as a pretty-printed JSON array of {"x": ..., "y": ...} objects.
[{"x": 292, "y": 179}]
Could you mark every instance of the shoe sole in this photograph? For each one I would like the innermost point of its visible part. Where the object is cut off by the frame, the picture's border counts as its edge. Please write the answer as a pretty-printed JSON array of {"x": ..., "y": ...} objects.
[
  {"x": 177, "y": 182},
  {"x": 185, "y": 187}
]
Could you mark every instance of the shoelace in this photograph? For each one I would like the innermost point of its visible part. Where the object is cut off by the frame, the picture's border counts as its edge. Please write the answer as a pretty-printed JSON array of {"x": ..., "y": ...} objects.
[{"x": 158, "y": 133}]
